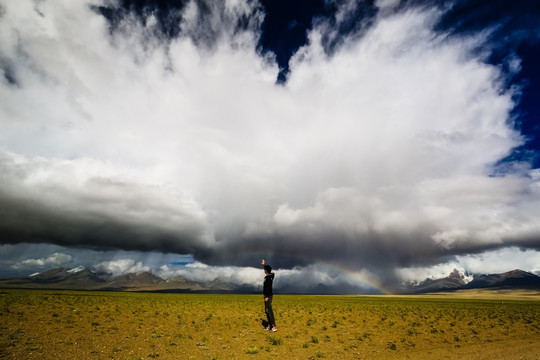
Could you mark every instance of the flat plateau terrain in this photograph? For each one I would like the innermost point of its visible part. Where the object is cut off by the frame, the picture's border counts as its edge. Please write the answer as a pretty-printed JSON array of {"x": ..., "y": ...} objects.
[{"x": 48, "y": 324}]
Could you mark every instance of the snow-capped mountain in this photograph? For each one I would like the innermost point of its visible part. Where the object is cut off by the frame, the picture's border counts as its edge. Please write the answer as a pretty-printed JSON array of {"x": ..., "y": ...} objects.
[{"x": 456, "y": 280}]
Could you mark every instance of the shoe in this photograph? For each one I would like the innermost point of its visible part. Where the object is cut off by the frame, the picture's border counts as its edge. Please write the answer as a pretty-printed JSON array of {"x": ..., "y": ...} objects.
[
  {"x": 274, "y": 329},
  {"x": 267, "y": 328}
]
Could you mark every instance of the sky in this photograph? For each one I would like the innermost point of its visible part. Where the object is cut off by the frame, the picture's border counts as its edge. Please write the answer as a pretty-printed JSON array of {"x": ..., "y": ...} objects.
[{"x": 355, "y": 143}]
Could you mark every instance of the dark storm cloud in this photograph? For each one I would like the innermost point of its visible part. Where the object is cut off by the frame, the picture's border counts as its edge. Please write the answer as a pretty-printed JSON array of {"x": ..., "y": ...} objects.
[
  {"x": 382, "y": 249},
  {"x": 102, "y": 213},
  {"x": 43, "y": 223},
  {"x": 307, "y": 246}
]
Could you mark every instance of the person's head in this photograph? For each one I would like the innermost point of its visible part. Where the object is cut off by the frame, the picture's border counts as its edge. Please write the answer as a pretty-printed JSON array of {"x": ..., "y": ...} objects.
[{"x": 267, "y": 269}]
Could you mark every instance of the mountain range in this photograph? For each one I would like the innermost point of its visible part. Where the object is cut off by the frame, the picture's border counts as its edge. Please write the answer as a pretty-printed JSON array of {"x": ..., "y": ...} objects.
[
  {"x": 81, "y": 278},
  {"x": 456, "y": 280}
]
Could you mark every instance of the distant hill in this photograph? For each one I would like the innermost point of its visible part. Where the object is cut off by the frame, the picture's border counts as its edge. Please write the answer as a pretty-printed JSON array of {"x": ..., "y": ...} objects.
[
  {"x": 512, "y": 279},
  {"x": 81, "y": 278},
  {"x": 515, "y": 279},
  {"x": 78, "y": 278},
  {"x": 133, "y": 281},
  {"x": 455, "y": 280}
]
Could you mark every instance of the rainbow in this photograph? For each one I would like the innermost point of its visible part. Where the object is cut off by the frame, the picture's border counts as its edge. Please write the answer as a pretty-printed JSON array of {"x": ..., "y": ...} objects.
[{"x": 363, "y": 279}]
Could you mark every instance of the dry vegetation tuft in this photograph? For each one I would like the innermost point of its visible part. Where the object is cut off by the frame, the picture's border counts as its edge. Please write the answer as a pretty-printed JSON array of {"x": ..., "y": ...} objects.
[{"x": 107, "y": 325}]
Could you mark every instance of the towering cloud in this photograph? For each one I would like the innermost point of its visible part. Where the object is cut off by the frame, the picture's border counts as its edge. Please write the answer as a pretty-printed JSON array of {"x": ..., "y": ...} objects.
[{"x": 138, "y": 131}]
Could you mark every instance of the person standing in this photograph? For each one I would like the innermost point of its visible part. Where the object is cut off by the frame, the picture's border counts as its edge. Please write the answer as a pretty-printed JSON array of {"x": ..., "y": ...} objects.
[{"x": 268, "y": 295}]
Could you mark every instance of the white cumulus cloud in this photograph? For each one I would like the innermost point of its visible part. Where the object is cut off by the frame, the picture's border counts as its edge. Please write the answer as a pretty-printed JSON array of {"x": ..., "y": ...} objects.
[
  {"x": 55, "y": 260},
  {"x": 121, "y": 267},
  {"x": 378, "y": 155}
]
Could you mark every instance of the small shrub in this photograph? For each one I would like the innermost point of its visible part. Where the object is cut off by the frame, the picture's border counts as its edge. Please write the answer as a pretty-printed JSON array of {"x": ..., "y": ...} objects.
[
  {"x": 274, "y": 341},
  {"x": 252, "y": 350}
]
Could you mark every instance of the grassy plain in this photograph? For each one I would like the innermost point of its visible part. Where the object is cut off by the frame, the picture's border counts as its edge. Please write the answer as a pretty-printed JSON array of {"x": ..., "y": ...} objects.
[{"x": 108, "y": 325}]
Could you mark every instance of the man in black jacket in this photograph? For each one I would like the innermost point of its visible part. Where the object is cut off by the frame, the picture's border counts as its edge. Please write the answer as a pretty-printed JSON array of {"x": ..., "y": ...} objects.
[{"x": 268, "y": 294}]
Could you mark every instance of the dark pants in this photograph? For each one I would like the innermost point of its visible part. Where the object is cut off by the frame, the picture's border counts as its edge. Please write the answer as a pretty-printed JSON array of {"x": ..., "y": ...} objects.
[{"x": 269, "y": 312}]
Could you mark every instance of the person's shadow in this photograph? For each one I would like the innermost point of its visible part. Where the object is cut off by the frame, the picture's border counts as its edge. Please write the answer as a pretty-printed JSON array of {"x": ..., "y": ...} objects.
[{"x": 264, "y": 323}]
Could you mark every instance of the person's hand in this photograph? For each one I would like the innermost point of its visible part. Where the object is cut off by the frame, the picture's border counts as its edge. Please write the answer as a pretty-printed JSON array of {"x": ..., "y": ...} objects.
[
  {"x": 262, "y": 262},
  {"x": 265, "y": 299}
]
